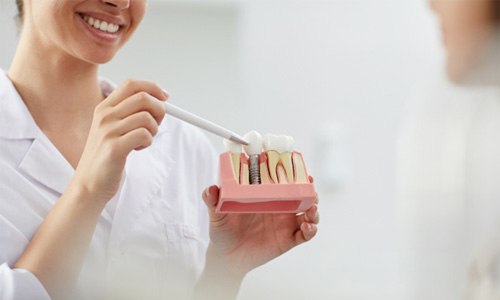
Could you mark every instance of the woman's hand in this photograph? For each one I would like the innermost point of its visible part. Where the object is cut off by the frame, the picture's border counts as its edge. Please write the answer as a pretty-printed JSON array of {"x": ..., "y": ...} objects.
[
  {"x": 242, "y": 242},
  {"x": 126, "y": 120}
]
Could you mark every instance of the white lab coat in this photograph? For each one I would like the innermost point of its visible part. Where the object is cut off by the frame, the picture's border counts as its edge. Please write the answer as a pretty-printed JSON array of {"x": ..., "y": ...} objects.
[
  {"x": 151, "y": 239},
  {"x": 449, "y": 191}
]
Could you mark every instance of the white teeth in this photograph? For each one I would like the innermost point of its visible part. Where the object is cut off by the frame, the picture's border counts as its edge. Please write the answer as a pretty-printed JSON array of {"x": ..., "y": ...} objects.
[
  {"x": 279, "y": 148},
  {"x": 254, "y": 146},
  {"x": 101, "y": 25},
  {"x": 104, "y": 26},
  {"x": 278, "y": 143},
  {"x": 236, "y": 151},
  {"x": 286, "y": 157}
]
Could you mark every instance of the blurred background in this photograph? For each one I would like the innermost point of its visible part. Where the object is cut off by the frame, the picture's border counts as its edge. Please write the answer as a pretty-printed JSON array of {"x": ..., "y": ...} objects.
[{"x": 334, "y": 74}]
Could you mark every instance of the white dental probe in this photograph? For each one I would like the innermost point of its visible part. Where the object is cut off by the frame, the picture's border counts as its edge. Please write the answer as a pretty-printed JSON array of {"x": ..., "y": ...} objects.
[{"x": 203, "y": 124}]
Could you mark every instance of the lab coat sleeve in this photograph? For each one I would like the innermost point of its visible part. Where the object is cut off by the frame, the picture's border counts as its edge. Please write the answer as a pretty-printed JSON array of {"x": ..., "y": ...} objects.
[
  {"x": 15, "y": 284},
  {"x": 20, "y": 284},
  {"x": 207, "y": 177}
]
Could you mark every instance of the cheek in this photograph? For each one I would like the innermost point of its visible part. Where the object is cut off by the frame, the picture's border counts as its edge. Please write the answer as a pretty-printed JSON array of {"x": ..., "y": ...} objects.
[{"x": 137, "y": 11}]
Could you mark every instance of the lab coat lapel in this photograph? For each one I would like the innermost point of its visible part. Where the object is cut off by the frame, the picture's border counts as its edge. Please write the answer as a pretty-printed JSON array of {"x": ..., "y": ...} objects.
[
  {"x": 45, "y": 164},
  {"x": 146, "y": 174},
  {"x": 42, "y": 162}
]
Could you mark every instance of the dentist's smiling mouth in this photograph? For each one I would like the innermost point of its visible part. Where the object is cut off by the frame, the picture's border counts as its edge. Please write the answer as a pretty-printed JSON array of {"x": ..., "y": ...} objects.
[{"x": 101, "y": 25}]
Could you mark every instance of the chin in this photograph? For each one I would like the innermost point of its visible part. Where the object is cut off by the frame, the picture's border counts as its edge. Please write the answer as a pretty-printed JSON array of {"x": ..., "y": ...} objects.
[
  {"x": 98, "y": 59},
  {"x": 455, "y": 75},
  {"x": 458, "y": 65}
]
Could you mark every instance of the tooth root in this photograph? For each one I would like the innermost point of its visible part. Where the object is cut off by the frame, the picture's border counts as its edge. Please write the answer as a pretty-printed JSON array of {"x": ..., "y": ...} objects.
[
  {"x": 300, "y": 168},
  {"x": 273, "y": 158},
  {"x": 235, "y": 161},
  {"x": 264, "y": 171},
  {"x": 244, "y": 170},
  {"x": 281, "y": 174},
  {"x": 286, "y": 160}
]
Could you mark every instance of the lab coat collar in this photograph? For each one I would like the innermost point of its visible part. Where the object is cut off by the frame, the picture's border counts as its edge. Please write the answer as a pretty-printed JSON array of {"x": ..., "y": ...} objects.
[{"x": 42, "y": 161}]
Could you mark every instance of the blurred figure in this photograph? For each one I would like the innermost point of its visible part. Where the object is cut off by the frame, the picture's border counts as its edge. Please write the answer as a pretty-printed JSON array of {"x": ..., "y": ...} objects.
[
  {"x": 468, "y": 29},
  {"x": 449, "y": 163}
]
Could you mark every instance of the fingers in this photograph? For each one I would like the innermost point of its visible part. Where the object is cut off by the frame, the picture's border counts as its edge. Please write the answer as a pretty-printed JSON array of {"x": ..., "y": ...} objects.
[
  {"x": 312, "y": 215},
  {"x": 141, "y": 119},
  {"x": 307, "y": 223},
  {"x": 139, "y": 102},
  {"x": 309, "y": 216},
  {"x": 211, "y": 198},
  {"x": 306, "y": 232},
  {"x": 129, "y": 118},
  {"x": 132, "y": 87},
  {"x": 136, "y": 139}
]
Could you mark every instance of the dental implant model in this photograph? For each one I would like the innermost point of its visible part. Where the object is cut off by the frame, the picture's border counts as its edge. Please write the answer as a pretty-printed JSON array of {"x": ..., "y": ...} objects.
[
  {"x": 253, "y": 149},
  {"x": 269, "y": 178}
]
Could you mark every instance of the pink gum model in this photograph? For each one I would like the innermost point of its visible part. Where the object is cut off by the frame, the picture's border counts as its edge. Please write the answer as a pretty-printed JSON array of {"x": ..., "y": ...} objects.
[{"x": 261, "y": 198}]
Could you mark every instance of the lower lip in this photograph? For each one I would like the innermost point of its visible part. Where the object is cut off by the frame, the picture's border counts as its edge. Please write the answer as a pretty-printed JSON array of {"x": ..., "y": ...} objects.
[{"x": 101, "y": 36}]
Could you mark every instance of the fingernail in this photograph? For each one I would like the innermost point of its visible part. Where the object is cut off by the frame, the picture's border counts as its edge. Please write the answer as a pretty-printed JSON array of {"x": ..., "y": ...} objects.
[
  {"x": 166, "y": 93},
  {"x": 212, "y": 188}
]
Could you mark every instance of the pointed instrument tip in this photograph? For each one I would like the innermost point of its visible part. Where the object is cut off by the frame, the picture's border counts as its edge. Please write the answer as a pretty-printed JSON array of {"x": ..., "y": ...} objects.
[{"x": 238, "y": 140}]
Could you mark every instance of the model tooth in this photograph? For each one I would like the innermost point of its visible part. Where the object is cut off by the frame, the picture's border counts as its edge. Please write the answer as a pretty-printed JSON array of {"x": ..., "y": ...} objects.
[
  {"x": 300, "y": 168},
  {"x": 273, "y": 157},
  {"x": 236, "y": 151},
  {"x": 286, "y": 155},
  {"x": 254, "y": 140},
  {"x": 282, "y": 177},
  {"x": 279, "y": 150},
  {"x": 265, "y": 178},
  {"x": 244, "y": 171},
  {"x": 253, "y": 149}
]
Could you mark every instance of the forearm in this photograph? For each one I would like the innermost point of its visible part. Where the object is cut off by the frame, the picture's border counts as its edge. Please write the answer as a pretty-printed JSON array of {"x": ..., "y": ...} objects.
[
  {"x": 218, "y": 281},
  {"x": 56, "y": 252}
]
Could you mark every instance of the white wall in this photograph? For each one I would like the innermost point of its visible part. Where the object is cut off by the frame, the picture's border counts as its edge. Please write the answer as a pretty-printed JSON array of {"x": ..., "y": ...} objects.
[{"x": 332, "y": 73}]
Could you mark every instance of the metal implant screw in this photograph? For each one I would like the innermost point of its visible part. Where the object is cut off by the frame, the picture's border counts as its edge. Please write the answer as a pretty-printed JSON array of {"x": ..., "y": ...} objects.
[{"x": 254, "y": 169}]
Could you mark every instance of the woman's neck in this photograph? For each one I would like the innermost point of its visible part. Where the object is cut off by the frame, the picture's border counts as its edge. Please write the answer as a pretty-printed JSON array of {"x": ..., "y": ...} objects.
[
  {"x": 487, "y": 68},
  {"x": 58, "y": 89}
]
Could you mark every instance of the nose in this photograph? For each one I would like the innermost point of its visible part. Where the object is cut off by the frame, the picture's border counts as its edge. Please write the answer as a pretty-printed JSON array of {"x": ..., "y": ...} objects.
[{"x": 120, "y": 4}]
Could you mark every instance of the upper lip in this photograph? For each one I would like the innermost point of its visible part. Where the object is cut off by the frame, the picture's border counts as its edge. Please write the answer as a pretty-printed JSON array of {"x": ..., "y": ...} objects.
[{"x": 105, "y": 17}]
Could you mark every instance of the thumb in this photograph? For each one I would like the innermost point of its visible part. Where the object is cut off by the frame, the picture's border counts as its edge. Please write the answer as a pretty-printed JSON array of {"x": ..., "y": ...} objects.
[{"x": 211, "y": 198}]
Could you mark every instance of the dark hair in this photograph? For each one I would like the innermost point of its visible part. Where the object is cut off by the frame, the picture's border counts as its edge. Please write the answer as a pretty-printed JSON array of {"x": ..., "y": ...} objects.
[
  {"x": 496, "y": 7},
  {"x": 20, "y": 10}
]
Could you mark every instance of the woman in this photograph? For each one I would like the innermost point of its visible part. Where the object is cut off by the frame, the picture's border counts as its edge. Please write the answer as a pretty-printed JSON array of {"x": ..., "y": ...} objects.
[
  {"x": 449, "y": 166},
  {"x": 99, "y": 190}
]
